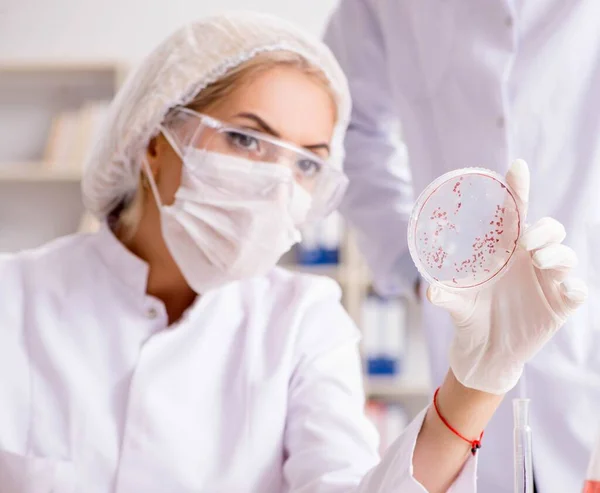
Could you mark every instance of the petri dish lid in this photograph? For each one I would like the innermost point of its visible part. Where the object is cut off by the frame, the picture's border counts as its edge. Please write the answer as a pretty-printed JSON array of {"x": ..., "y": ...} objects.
[{"x": 464, "y": 228}]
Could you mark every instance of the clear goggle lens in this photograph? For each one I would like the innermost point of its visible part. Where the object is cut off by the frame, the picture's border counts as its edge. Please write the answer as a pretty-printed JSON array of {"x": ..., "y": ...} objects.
[{"x": 325, "y": 184}]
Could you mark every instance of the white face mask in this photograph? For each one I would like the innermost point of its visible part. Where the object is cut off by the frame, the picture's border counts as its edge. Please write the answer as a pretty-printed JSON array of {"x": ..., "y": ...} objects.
[{"x": 231, "y": 218}]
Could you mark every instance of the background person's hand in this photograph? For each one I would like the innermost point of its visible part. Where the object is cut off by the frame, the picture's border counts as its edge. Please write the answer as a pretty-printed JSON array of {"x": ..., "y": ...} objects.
[{"x": 501, "y": 326}]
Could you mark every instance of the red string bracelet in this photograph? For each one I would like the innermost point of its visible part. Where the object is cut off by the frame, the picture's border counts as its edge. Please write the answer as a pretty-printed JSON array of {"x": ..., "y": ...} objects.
[{"x": 475, "y": 444}]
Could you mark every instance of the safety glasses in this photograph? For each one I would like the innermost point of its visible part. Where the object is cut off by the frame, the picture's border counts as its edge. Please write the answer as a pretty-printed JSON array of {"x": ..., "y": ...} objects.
[{"x": 324, "y": 183}]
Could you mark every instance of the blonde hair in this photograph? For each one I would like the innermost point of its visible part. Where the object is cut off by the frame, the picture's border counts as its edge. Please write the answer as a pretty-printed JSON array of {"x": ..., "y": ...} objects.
[{"x": 129, "y": 214}]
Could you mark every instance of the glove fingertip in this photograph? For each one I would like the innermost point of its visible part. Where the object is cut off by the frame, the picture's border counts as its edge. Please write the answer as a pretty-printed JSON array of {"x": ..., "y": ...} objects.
[
  {"x": 544, "y": 232},
  {"x": 432, "y": 293},
  {"x": 518, "y": 178},
  {"x": 575, "y": 291}
]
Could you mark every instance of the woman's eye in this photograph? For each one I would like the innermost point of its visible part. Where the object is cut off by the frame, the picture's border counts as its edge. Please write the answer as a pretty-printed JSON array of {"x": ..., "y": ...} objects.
[
  {"x": 243, "y": 141},
  {"x": 308, "y": 167}
]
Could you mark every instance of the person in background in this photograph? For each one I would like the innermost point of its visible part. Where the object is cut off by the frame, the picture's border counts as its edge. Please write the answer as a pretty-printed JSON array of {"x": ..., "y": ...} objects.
[
  {"x": 475, "y": 84},
  {"x": 167, "y": 353}
]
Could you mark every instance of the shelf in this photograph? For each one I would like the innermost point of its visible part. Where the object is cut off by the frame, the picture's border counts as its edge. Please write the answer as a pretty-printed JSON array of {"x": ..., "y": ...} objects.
[
  {"x": 330, "y": 270},
  {"x": 341, "y": 273},
  {"x": 116, "y": 69},
  {"x": 65, "y": 65},
  {"x": 37, "y": 172},
  {"x": 390, "y": 388}
]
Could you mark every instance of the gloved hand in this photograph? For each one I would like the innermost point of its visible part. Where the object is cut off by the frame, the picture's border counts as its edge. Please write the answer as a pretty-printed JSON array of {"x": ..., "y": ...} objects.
[{"x": 501, "y": 326}]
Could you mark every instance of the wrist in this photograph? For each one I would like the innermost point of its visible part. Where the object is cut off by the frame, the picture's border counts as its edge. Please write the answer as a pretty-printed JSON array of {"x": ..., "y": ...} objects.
[{"x": 466, "y": 409}]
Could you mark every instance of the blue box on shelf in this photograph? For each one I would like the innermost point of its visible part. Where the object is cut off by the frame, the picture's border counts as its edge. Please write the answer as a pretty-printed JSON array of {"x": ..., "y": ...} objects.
[{"x": 383, "y": 365}]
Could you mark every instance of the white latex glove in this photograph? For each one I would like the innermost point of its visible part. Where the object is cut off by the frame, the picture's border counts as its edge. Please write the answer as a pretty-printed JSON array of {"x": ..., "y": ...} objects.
[{"x": 501, "y": 326}]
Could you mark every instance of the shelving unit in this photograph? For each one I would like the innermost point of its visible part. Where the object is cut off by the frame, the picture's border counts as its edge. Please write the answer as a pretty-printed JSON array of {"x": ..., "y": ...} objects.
[
  {"x": 411, "y": 389},
  {"x": 41, "y": 200}
]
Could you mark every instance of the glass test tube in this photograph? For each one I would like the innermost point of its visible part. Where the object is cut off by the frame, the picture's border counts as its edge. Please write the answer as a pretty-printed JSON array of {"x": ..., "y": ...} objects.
[{"x": 523, "y": 462}]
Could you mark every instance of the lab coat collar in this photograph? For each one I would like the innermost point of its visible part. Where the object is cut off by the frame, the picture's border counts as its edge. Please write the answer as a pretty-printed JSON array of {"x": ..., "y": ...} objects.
[{"x": 130, "y": 269}]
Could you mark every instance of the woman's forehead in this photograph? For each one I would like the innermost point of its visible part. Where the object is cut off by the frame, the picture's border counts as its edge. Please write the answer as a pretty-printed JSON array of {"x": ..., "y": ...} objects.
[{"x": 295, "y": 105}]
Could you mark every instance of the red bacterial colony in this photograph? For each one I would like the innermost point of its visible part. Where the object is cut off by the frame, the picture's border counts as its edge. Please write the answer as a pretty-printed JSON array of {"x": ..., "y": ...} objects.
[
  {"x": 437, "y": 255},
  {"x": 435, "y": 258},
  {"x": 457, "y": 191},
  {"x": 441, "y": 218},
  {"x": 434, "y": 255},
  {"x": 484, "y": 245}
]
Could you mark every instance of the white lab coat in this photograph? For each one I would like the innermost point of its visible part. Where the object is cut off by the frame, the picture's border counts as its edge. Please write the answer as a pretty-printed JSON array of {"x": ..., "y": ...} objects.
[
  {"x": 480, "y": 84},
  {"x": 256, "y": 390}
]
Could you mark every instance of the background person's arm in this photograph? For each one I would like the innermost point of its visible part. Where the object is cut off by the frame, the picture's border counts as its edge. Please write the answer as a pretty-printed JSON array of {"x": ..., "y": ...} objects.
[{"x": 379, "y": 197}]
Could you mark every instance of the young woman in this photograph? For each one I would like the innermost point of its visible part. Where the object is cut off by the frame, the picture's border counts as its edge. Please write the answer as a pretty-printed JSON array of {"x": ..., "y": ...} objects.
[{"x": 167, "y": 353}]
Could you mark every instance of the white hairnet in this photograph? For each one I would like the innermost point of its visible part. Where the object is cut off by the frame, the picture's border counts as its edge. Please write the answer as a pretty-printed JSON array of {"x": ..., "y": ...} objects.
[{"x": 173, "y": 74}]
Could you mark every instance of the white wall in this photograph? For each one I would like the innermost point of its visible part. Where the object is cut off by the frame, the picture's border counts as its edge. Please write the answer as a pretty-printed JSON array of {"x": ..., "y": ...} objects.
[{"x": 122, "y": 29}]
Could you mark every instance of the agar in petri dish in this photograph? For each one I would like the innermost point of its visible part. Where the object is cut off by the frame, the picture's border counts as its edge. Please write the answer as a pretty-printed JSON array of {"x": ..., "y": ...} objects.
[{"x": 464, "y": 228}]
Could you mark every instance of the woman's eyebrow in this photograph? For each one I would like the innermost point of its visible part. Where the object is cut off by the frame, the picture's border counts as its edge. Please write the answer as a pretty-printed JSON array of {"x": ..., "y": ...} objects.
[
  {"x": 260, "y": 122},
  {"x": 315, "y": 147},
  {"x": 265, "y": 127}
]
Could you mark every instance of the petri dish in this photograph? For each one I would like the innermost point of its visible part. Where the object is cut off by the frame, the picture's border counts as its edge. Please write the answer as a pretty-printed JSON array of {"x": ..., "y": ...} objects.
[{"x": 464, "y": 228}]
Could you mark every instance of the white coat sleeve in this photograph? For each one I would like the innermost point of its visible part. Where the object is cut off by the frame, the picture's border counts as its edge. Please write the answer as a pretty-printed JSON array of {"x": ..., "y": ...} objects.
[
  {"x": 329, "y": 442},
  {"x": 379, "y": 197}
]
